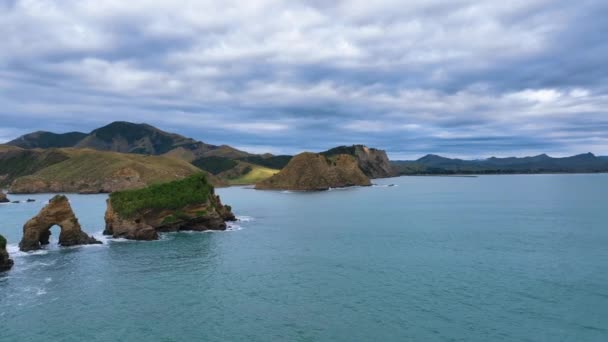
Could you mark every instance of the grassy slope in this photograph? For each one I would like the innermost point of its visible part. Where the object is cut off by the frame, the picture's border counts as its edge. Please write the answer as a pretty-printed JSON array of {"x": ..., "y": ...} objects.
[
  {"x": 256, "y": 174},
  {"x": 16, "y": 162},
  {"x": 87, "y": 164},
  {"x": 91, "y": 164}
]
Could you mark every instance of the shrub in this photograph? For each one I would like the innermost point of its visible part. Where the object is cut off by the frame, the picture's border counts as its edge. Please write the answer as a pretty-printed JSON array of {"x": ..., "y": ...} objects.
[
  {"x": 2, "y": 242},
  {"x": 173, "y": 195}
]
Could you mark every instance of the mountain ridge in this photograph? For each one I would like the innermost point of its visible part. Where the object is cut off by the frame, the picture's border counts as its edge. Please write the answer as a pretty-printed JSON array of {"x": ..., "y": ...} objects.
[
  {"x": 127, "y": 137},
  {"x": 542, "y": 163}
]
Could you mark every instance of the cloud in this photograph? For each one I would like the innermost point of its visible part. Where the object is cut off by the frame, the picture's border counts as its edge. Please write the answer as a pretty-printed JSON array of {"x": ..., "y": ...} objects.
[{"x": 464, "y": 78}]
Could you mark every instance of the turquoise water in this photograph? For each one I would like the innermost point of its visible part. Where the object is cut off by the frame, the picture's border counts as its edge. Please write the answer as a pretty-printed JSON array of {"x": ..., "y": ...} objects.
[{"x": 513, "y": 258}]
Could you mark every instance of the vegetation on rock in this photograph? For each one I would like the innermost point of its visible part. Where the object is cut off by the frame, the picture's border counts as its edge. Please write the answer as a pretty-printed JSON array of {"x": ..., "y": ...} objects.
[
  {"x": 187, "y": 204},
  {"x": 173, "y": 195},
  {"x": 5, "y": 261}
]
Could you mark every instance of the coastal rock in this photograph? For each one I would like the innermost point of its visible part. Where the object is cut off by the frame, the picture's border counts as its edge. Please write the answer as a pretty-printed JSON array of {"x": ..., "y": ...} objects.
[
  {"x": 36, "y": 231},
  {"x": 373, "y": 162},
  {"x": 188, "y": 204},
  {"x": 5, "y": 262},
  {"x": 3, "y": 198},
  {"x": 312, "y": 171}
]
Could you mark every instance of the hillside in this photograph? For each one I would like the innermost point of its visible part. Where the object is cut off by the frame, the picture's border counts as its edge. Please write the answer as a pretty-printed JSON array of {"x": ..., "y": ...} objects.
[
  {"x": 16, "y": 162},
  {"x": 434, "y": 164},
  {"x": 313, "y": 171},
  {"x": 246, "y": 173},
  {"x": 228, "y": 163},
  {"x": 373, "y": 162},
  {"x": 91, "y": 171}
]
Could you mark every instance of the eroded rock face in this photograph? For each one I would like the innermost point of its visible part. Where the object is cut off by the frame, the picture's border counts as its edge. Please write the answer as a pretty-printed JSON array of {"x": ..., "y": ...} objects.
[
  {"x": 5, "y": 262},
  {"x": 313, "y": 171},
  {"x": 373, "y": 162},
  {"x": 3, "y": 198},
  {"x": 36, "y": 231},
  {"x": 145, "y": 225}
]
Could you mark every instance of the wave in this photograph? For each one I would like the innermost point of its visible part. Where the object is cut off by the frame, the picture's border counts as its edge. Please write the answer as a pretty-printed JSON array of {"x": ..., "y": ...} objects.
[
  {"x": 14, "y": 251},
  {"x": 245, "y": 218},
  {"x": 384, "y": 185}
]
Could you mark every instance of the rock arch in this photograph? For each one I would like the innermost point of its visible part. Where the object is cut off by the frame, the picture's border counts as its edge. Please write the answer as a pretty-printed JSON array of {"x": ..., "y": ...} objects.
[{"x": 37, "y": 230}]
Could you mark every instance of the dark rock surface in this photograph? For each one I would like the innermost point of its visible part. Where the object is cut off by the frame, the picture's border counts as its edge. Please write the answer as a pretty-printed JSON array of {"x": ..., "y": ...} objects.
[{"x": 5, "y": 261}]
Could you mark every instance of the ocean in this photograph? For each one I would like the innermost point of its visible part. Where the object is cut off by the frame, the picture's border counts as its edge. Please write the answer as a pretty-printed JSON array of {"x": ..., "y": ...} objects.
[{"x": 488, "y": 258}]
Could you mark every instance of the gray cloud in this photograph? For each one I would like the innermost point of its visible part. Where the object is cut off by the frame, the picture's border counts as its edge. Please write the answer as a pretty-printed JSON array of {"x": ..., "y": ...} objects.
[{"x": 468, "y": 78}]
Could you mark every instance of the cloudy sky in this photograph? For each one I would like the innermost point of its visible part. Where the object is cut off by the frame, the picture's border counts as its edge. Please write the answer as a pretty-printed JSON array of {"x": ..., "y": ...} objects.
[{"x": 458, "y": 78}]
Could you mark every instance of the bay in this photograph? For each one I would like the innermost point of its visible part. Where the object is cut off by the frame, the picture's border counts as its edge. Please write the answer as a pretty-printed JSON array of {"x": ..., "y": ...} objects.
[{"x": 512, "y": 257}]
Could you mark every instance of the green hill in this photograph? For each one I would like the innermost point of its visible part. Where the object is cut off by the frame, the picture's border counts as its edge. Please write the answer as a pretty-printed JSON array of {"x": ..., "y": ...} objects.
[
  {"x": 91, "y": 171},
  {"x": 16, "y": 162}
]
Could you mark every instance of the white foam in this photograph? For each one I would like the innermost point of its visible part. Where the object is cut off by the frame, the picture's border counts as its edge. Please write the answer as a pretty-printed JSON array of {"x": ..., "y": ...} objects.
[
  {"x": 233, "y": 227},
  {"x": 14, "y": 252},
  {"x": 245, "y": 218}
]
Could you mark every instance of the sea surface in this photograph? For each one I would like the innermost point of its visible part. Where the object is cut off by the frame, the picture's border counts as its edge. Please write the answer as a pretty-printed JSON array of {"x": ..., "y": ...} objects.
[{"x": 489, "y": 258}]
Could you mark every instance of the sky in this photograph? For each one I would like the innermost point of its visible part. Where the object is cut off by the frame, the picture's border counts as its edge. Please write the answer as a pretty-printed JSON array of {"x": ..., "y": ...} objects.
[{"x": 469, "y": 79}]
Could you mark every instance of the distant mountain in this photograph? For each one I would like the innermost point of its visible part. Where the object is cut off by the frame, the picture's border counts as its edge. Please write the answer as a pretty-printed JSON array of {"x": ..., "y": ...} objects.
[
  {"x": 373, "y": 162},
  {"x": 43, "y": 139},
  {"x": 127, "y": 137},
  {"x": 434, "y": 164}
]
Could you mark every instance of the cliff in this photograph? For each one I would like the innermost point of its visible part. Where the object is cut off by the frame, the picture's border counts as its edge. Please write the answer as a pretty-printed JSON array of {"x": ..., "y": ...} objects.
[
  {"x": 373, "y": 162},
  {"x": 37, "y": 231},
  {"x": 5, "y": 261},
  {"x": 187, "y": 204},
  {"x": 312, "y": 171}
]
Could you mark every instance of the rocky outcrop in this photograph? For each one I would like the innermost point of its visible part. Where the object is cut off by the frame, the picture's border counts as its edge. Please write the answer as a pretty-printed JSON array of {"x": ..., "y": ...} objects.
[
  {"x": 5, "y": 262},
  {"x": 188, "y": 204},
  {"x": 312, "y": 171},
  {"x": 37, "y": 231},
  {"x": 373, "y": 162},
  {"x": 3, "y": 198}
]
